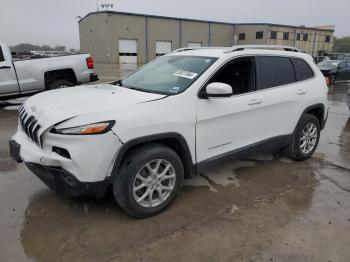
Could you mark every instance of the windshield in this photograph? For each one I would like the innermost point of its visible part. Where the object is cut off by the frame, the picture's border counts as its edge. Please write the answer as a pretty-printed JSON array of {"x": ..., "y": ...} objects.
[{"x": 169, "y": 74}]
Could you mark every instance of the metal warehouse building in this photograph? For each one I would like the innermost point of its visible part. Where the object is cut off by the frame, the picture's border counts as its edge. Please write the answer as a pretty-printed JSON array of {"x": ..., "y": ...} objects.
[{"x": 118, "y": 37}]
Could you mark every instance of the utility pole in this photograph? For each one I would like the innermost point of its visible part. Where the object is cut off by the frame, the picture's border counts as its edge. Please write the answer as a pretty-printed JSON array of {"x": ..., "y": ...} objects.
[{"x": 313, "y": 47}]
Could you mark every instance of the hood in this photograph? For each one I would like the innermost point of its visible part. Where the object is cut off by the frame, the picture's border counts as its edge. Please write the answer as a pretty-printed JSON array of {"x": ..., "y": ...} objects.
[
  {"x": 327, "y": 66},
  {"x": 55, "y": 106}
]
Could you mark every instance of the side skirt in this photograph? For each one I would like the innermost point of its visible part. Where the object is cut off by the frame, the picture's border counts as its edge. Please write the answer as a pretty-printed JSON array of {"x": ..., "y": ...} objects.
[{"x": 268, "y": 145}]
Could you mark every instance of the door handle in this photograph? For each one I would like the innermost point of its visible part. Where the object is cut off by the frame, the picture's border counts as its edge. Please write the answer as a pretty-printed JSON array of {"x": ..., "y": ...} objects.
[
  {"x": 5, "y": 67},
  {"x": 255, "y": 102},
  {"x": 301, "y": 92}
]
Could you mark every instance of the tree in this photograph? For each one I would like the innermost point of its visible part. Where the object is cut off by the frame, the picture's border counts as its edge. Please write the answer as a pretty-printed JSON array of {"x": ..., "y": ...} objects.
[
  {"x": 342, "y": 45},
  {"x": 60, "y": 48},
  {"x": 25, "y": 47}
]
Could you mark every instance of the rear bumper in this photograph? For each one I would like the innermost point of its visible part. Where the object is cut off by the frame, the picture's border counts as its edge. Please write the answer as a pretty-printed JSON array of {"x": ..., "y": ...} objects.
[{"x": 94, "y": 77}]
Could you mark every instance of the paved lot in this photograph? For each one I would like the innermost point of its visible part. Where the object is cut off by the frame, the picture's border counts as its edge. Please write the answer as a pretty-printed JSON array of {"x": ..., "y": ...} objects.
[{"x": 265, "y": 208}]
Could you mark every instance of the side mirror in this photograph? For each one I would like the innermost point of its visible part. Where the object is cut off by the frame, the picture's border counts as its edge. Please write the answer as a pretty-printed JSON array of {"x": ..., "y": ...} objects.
[{"x": 217, "y": 89}]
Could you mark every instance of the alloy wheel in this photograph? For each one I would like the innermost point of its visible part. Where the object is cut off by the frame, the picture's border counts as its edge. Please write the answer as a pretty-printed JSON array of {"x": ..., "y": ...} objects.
[
  {"x": 154, "y": 183},
  {"x": 308, "y": 138}
]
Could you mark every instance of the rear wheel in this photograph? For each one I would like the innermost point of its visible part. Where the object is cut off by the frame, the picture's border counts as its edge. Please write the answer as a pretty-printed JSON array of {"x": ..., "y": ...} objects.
[
  {"x": 60, "y": 84},
  {"x": 148, "y": 181},
  {"x": 305, "y": 138}
]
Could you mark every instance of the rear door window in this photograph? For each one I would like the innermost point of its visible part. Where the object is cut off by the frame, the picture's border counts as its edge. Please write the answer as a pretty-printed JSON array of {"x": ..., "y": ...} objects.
[
  {"x": 302, "y": 69},
  {"x": 276, "y": 71},
  {"x": 2, "y": 59}
]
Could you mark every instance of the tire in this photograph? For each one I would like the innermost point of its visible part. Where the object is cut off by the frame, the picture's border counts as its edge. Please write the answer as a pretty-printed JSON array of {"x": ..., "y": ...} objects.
[
  {"x": 134, "y": 173},
  {"x": 296, "y": 149},
  {"x": 60, "y": 84}
]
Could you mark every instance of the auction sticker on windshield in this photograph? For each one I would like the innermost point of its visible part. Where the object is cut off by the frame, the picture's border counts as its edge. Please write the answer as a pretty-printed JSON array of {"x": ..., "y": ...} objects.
[{"x": 186, "y": 74}]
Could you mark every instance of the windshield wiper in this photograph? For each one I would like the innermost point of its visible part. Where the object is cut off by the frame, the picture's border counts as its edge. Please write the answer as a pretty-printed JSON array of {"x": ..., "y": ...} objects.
[
  {"x": 145, "y": 90},
  {"x": 119, "y": 82}
]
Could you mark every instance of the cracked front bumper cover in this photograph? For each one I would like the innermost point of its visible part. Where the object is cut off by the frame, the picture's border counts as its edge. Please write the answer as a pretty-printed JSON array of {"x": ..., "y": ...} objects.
[{"x": 64, "y": 183}]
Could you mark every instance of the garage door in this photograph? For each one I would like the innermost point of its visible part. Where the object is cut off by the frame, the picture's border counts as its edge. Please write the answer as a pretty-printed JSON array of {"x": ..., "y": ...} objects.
[
  {"x": 127, "y": 51},
  {"x": 194, "y": 44},
  {"x": 163, "y": 48}
]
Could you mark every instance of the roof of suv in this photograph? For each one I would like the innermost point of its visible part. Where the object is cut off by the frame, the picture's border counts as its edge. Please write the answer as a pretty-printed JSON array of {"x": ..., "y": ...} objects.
[{"x": 240, "y": 50}]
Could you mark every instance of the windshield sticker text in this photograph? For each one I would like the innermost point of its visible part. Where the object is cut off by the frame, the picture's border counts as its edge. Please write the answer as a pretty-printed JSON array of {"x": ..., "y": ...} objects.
[{"x": 186, "y": 74}]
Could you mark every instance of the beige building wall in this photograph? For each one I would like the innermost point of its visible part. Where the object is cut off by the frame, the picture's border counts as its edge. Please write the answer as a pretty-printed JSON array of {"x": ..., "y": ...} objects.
[
  {"x": 280, "y": 32},
  {"x": 221, "y": 34},
  {"x": 162, "y": 30},
  {"x": 194, "y": 32},
  {"x": 250, "y": 34},
  {"x": 126, "y": 27},
  {"x": 100, "y": 34},
  {"x": 93, "y": 32}
]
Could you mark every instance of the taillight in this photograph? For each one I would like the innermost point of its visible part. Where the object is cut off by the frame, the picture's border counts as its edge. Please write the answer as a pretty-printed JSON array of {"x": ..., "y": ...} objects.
[
  {"x": 328, "y": 81},
  {"x": 90, "y": 62}
]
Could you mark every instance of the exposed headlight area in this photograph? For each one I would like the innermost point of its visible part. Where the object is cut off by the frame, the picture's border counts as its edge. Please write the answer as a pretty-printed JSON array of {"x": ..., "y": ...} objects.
[{"x": 89, "y": 129}]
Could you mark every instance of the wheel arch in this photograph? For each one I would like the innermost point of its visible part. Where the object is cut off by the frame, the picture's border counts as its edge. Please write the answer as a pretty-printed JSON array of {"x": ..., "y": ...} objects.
[
  {"x": 174, "y": 141},
  {"x": 60, "y": 74},
  {"x": 319, "y": 111}
]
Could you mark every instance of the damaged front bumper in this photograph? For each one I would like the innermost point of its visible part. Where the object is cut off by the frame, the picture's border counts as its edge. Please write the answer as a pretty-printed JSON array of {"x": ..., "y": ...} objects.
[
  {"x": 85, "y": 171},
  {"x": 64, "y": 183}
]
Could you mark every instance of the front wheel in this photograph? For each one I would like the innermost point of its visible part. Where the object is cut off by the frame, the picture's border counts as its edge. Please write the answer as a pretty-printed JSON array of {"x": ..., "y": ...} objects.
[
  {"x": 148, "y": 180},
  {"x": 305, "y": 138}
]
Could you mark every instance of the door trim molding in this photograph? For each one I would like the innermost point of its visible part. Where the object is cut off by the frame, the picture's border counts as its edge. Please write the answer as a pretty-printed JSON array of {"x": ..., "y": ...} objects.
[{"x": 268, "y": 145}]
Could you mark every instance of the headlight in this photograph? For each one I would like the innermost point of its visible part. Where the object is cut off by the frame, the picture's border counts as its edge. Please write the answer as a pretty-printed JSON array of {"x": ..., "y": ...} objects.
[{"x": 90, "y": 129}]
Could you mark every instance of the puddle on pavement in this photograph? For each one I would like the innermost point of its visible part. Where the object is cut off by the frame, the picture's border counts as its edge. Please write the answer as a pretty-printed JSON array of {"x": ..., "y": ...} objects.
[
  {"x": 59, "y": 229},
  {"x": 7, "y": 165}
]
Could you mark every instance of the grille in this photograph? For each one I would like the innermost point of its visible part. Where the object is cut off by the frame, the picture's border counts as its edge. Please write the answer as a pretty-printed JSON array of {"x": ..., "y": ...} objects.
[{"x": 30, "y": 125}]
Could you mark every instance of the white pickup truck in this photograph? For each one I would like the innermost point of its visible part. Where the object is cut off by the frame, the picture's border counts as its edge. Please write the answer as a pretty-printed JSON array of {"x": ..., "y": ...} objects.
[{"x": 23, "y": 77}]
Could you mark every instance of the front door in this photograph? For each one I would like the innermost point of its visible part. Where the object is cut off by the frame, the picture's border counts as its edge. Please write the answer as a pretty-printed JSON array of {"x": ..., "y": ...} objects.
[{"x": 227, "y": 124}]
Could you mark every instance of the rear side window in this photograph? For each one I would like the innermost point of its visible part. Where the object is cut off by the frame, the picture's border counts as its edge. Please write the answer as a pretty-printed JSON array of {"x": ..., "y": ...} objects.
[
  {"x": 276, "y": 71},
  {"x": 302, "y": 69},
  {"x": 1, "y": 55}
]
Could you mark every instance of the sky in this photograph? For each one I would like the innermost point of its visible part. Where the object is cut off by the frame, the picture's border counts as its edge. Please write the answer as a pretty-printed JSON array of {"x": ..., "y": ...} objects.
[{"x": 55, "y": 21}]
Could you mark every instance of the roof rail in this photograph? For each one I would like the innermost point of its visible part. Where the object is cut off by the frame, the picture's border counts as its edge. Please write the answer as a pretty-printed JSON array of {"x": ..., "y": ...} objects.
[
  {"x": 266, "y": 47},
  {"x": 195, "y": 48}
]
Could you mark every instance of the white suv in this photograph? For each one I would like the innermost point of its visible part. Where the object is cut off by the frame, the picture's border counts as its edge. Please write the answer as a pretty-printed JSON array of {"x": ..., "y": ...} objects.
[{"x": 175, "y": 117}]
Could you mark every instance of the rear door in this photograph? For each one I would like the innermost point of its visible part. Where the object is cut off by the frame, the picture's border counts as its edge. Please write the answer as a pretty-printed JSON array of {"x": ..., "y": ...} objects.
[
  {"x": 281, "y": 104},
  {"x": 8, "y": 79}
]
